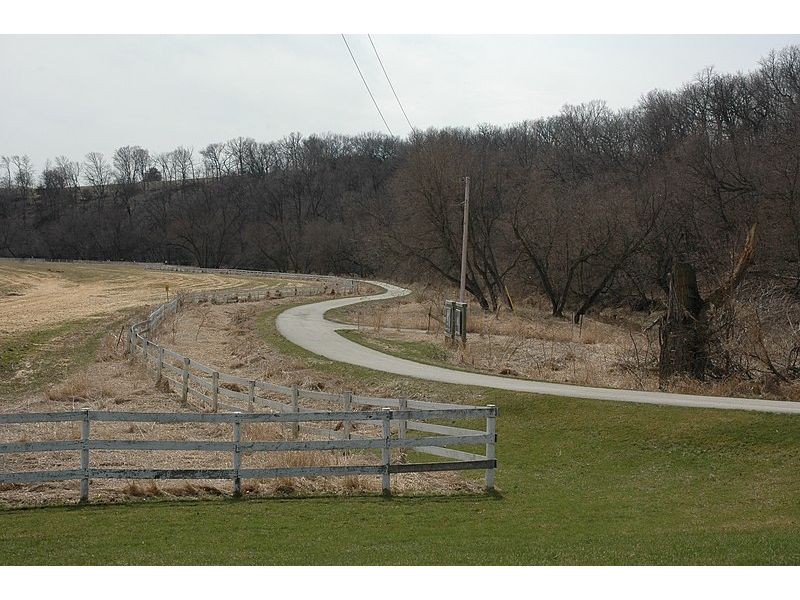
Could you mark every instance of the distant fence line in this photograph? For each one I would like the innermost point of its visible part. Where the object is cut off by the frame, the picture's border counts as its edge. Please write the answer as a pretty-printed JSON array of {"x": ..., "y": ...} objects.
[
  {"x": 78, "y": 261},
  {"x": 156, "y": 266},
  {"x": 218, "y": 390},
  {"x": 349, "y": 285}
]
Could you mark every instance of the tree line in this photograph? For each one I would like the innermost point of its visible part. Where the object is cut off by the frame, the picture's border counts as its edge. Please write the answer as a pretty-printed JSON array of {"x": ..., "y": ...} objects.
[{"x": 588, "y": 208}]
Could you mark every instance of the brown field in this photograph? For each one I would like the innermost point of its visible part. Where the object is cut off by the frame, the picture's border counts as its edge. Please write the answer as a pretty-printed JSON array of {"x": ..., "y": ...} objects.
[{"x": 35, "y": 295}]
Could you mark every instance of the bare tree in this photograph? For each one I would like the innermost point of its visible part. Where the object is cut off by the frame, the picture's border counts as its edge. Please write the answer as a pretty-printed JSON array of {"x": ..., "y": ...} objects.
[
  {"x": 214, "y": 160},
  {"x": 8, "y": 180},
  {"x": 97, "y": 172},
  {"x": 24, "y": 175}
]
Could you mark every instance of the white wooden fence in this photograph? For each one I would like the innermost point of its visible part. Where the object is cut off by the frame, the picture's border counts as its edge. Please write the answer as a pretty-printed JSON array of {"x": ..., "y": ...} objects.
[
  {"x": 383, "y": 441},
  {"x": 222, "y": 391}
]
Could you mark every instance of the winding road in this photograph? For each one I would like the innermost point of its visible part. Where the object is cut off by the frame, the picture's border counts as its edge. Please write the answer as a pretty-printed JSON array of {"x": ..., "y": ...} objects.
[{"x": 307, "y": 327}]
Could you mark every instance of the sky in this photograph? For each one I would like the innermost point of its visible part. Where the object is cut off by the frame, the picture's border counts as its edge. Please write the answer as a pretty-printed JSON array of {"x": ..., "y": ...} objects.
[{"x": 70, "y": 95}]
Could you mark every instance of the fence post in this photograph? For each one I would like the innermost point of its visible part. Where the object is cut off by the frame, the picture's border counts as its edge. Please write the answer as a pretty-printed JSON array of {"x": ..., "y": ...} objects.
[
  {"x": 237, "y": 456},
  {"x": 252, "y": 403},
  {"x": 85, "y": 456},
  {"x": 386, "y": 452},
  {"x": 145, "y": 342},
  {"x": 347, "y": 404},
  {"x": 214, "y": 390},
  {"x": 295, "y": 410},
  {"x": 131, "y": 340},
  {"x": 127, "y": 347},
  {"x": 402, "y": 428},
  {"x": 185, "y": 383},
  {"x": 160, "y": 364},
  {"x": 491, "y": 431}
]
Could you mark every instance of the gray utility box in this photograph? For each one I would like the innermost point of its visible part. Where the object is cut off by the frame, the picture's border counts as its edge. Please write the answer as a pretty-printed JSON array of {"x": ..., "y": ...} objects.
[{"x": 455, "y": 320}]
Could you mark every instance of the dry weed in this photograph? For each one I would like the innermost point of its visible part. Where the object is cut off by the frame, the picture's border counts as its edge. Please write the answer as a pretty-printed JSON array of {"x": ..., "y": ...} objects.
[
  {"x": 78, "y": 388},
  {"x": 110, "y": 348},
  {"x": 139, "y": 490},
  {"x": 734, "y": 387}
]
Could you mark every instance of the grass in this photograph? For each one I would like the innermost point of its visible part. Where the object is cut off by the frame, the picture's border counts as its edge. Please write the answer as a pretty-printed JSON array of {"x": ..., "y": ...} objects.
[
  {"x": 49, "y": 355},
  {"x": 580, "y": 482},
  {"x": 425, "y": 352}
]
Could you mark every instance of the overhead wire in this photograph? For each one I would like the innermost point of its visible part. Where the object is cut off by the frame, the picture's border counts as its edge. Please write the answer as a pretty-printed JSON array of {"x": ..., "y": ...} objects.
[
  {"x": 396, "y": 97},
  {"x": 355, "y": 62}
]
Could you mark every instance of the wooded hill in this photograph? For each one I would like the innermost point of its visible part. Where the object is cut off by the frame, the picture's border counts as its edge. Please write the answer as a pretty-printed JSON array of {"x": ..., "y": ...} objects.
[{"x": 589, "y": 208}]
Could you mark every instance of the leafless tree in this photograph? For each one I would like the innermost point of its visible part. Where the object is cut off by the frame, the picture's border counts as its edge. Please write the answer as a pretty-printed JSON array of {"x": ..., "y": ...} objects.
[{"x": 97, "y": 172}]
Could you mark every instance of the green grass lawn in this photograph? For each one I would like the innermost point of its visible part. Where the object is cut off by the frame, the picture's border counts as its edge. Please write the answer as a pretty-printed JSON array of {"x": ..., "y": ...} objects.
[
  {"x": 424, "y": 352},
  {"x": 580, "y": 482}
]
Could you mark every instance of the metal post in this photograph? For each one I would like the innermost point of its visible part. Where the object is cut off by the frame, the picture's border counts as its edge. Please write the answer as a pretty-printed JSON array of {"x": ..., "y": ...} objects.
[
  {"x": 214, "y": 390},
  {"x": 491, "y": 431},
  {"x": 347, "y": 403},
  {"x": 464, "y": 242},
  {"x": 295, "y": 410},
  {"x": 85, "y": 456},
  {"x": 386, "y": 452},
  {"x": 237, "y": 456},
  {"x": 185, "y": 384},
  {"x": 252, "y": 403}
]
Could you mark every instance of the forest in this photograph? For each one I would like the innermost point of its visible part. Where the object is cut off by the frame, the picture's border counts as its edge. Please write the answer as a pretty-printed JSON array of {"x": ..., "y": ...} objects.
[{"x": 686, "y": 204}]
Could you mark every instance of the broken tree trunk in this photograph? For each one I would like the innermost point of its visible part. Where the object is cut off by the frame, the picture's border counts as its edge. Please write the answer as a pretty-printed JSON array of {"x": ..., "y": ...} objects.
[{"x": 685, "y": 333}]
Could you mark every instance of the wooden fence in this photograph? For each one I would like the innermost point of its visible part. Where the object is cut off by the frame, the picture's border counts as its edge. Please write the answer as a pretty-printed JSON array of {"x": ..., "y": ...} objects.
[
  {"x": 383, "y": 440},
  {"x": 216, "y": 390},
  {"x": 344, "y": 285}
]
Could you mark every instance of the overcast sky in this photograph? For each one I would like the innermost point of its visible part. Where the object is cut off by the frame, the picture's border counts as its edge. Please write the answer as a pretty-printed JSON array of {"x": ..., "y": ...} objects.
[{"x": 76, "y": 94}]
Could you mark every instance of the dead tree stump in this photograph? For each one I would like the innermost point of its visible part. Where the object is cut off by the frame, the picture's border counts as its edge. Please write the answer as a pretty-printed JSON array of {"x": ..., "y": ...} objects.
[{"x": 683, "y": 334}]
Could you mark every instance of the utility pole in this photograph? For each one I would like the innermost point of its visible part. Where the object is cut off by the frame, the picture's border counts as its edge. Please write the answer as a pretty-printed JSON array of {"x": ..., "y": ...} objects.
[
  {"x": 455, "y": 313},
  {"x": 461, "y": 295}
]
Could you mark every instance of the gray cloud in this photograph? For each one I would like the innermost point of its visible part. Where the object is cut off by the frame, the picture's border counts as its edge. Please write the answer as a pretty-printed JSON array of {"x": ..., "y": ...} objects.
[{"x": 75, "y": 94}]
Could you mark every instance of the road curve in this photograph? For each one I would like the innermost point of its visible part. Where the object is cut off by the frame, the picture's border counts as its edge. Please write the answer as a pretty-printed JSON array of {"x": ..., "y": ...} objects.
[{"x": 307, "y": 327}]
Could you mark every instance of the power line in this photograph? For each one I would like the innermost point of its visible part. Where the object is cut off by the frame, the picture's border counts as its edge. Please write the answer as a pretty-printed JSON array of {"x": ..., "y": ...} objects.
[
  {"x": 365, "y": 84},
  {"x": 400, "y": 104}
]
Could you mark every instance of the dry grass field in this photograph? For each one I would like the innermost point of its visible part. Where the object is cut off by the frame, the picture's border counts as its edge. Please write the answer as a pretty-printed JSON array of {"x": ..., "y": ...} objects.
[
  {"x": 616, "y": 348},
  {"x": 35, "y": 295}
]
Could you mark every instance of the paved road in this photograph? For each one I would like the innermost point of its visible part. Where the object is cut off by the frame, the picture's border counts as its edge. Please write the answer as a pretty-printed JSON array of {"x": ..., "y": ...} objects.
[{"x": 307, "y": 327}]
